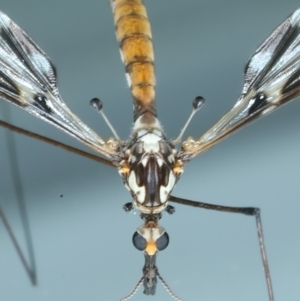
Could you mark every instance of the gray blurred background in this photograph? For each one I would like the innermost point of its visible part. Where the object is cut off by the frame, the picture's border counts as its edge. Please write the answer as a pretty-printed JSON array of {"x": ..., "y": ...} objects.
[{"x": 82, "y": 240}]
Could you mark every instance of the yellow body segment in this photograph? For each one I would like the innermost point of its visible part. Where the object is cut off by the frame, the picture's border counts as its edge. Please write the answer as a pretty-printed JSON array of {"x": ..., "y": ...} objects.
[{"x": 133, "y": 32}]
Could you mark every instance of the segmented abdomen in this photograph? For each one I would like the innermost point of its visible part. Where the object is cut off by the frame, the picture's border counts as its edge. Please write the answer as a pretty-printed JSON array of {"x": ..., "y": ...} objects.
[{"x": 134, "y": 35}]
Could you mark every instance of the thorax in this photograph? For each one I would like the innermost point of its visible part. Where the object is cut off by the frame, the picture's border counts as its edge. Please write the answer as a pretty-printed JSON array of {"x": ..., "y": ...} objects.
[{"x": 149, "y": 169}]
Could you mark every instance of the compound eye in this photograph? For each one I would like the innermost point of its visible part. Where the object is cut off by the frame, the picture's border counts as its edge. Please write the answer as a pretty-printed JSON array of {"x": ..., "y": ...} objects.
[
  {"x": 139, "y": 241},
  {"x": 162, "y": 242}
]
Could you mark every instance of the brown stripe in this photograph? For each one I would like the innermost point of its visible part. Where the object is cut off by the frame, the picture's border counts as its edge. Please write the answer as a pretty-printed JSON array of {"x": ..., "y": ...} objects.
[
  {"x": 127, "y": 7},
  {"x": 131, "y": 25},
  {"x": 137, "y": 49}
]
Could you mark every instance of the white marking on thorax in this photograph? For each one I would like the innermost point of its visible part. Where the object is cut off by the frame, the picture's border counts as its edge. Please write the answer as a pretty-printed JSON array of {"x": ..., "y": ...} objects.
[
  {"x": 141, "y": 133},
  {"x": 139, "y": 126},
  {"x": 140, "y": 192},
  {"x": 145, "y": 161},
  {"x": 159, "y": 162},
  {"x": 165, "y": 191},
  {"x": 151, "y": 142}
]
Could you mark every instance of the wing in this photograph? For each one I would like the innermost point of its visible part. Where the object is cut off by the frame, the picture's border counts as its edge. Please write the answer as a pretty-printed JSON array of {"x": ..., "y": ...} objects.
[
  {"x": 272, "y": 78},
  {"x": 28, "y": 80}
]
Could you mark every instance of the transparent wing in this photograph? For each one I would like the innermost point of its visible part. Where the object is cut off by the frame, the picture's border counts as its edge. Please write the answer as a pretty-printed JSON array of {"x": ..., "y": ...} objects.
[
  {"x": 28, "y": 80},
  {"x": 272, "y": 78}
]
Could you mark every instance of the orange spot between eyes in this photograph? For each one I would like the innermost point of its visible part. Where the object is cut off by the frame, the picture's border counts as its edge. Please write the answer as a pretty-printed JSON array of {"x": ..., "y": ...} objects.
[{"x": 151, "y": 248}]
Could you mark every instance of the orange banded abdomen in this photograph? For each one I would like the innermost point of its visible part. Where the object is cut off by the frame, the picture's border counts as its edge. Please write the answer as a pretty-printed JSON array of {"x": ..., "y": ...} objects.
[{"x": 134, "y": 35}]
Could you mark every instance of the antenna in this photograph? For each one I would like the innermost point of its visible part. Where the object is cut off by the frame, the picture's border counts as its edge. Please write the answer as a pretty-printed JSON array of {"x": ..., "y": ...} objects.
[
  {"x": 96, "y": 103},
  {"x": 134, "y": 290},
  {"x": 164, "y": 283},
  {"x": 149, "y": 279},
  {"x": 198, "y": 103}
]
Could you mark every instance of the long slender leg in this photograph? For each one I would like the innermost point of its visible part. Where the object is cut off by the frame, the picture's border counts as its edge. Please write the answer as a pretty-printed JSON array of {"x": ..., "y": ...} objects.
[
  {"x": 30, "y": 267},
  {"x": 55, "y": 143},
  {"x": 31, "y": 273},
  {"x": 244, "y": 210}
]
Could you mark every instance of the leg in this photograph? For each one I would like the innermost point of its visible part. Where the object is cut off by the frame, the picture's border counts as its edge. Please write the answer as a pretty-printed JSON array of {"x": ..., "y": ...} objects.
[
  {"x": 29, "y": 266},
  {"x": 30, "y": 270},
  {"x": 244, "y": 210},
  {"x": 55, "y": 143}
]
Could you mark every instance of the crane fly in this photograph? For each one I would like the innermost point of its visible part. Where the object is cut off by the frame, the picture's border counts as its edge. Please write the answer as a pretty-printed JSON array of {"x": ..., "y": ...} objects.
[{"x": 150, "y": 165}]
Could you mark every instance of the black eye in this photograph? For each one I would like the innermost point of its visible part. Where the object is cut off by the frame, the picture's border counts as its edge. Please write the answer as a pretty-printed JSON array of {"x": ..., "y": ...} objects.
[
  {"x": 162, "y": 242},
  {"x": 139, "y": 241}
]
